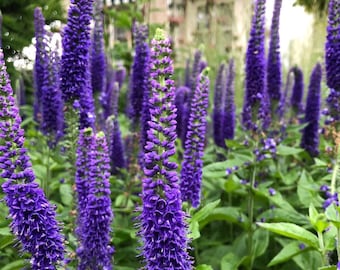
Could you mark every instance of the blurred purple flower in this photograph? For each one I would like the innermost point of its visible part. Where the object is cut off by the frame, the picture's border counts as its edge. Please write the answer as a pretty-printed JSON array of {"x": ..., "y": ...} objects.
[
  {"x": 191, "y": 173},
  {"x": 98, "y": 63},
  {"x": 256, "y": 104},
  {"x": 310, "y": 135}
]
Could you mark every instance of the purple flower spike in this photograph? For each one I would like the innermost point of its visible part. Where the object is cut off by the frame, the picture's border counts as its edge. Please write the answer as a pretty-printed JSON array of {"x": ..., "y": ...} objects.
[
  {"x": 182, "y": 100},
  {"x": 98, "y": 64},
  {"x": 95, "y": 251},
  {"x": 140, "y": 73},
  {"x": 332, "y": 56},
  {"x": 274, "y": 76},
  {"x": 52, "y": 105},
  {"x": 191, "y": 173},
  {"x": 256, "y": 104},
  {"x": 40, "y": 64},
  {"x": 187, "y": 74},
  {"x": 120, "y": 74},
  {"x": 229, "y": 104},
  {"x": 297, "y": 92},
  {"x": 75, "y": 65},
  {"x": 163, "y": 229},
  {"x": 116, "y": 147},
  {"x": 218, "y": 116},
  {"x": 195, "y": 71},
  {"x": 310, "y": 136},
  {"x": 34, "y": 221}
]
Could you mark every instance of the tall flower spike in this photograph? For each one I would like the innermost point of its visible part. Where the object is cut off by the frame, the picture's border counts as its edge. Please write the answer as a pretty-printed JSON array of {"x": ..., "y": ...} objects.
[
  {"x": 229, "y": 104},
  {"x": 163, "y": 229},
  {"x": 75, "y": 65},
  {"x": 297, "y": 91},
  {"x": 85, "y": 164},
  {"x": 218, "y": 107},
  {"x": 195, "y": 71},
  {"x": 191, "y": 173},
  {"x": 182, "y": 99},
  {"x": 332, "y": 56},
  {"x": 52, "y": 106},
  {"x": 40, "y": 65},
  {"x": 283, "y": 101},
  {"x": 98, "y": 64},
  {"x": 95, "y": 251},
  {"x": 116, "y": 147},
  {"x": 187, "y": 74},
  {"x": 140, "y": 73},
  {"x": 310, "y": 135},
  {"x": 33, "y": 218},
  {"x": 255, "y": 103},
  {"x": 274, "y": 76}
]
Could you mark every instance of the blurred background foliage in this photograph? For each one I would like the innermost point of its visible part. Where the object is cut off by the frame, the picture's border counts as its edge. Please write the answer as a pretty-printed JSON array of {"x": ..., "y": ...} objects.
[{"x": 18, "y": 24}]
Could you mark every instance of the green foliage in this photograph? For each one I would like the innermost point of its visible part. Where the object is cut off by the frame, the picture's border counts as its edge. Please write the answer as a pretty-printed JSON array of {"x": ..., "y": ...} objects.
[{"x": 18, "y": 25}]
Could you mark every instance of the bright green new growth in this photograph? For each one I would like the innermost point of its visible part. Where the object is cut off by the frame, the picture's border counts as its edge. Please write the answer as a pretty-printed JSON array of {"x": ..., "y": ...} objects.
[{"x": 160, "y": 34}]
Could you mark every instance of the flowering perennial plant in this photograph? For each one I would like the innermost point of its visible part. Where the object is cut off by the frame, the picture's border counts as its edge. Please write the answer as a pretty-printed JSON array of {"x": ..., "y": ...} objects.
[
  {"x": 183, "y": 94},
  {"x": 310, "y": 135},
  {"x": 34, "y": 221},
  {"x": 162, "y": 228},
  {"x": 191, "y": 173},
  {"x": 256, "y": 104},
  {"x": 52, "y": 105},
  {"x": 75, "y": 64},
  {"x": 95, "y": 251},
  {"x": 218, "y": 107},
  {"x": 229, "y": 104},
  {"x": 297, "y": 92},
  {"x": 274, "y": 76},
  {"x": 98, "y": 64},
  {"x": 40, "y": 64},
  {"x": 140, "y": 72}
]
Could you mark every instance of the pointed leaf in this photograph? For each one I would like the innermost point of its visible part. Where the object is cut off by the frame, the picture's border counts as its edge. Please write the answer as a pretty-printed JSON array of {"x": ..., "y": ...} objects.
[{"x": 292, "y": 231}]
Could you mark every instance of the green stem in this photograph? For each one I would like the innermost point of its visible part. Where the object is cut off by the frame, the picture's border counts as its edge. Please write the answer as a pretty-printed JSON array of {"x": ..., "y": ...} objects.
[
  {"x": 322, "y": 248},
  {"x": 338, "y": 244},
  {"x": 335, "y": 170},
  {"x": 251, "y": 217}
]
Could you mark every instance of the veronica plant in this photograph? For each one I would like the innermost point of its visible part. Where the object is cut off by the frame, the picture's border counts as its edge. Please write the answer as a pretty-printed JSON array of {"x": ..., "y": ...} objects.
[
  {"x": 191, "y": 173},
  {"x": 162, "y": 227},
  {"x": 274, "y": 76},
  {"x": 98, "y": 64},
  {"x": 33, "y": 218},
  {"x": 310, "y": 135},
  {"x": 255, "y": 105},
  {"x": 75, "y": 65}
]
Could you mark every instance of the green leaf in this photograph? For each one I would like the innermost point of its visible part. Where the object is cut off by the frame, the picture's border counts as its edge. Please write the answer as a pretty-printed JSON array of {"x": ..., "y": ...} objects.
[
  {"x": 283, "y": 150},
  {"x": 318, "y": 220},
  {"x": 204, "y": 267},
  {"x": 261, "y": 242},
  {"x": 205, "y": 211},
  {"x": 228, "y": 214},
  {"x": 329, "y": 267},
  {"x": 194, "y": 229},
  {"x": 332, "y": 214},
  {"x": 16, "y": 265},
  {"x": 6, "y": 241},
  {"x": 308, "y": 190},
  {"x": 66, "y": 194},
  {"x": 5, "y": 231},
  {"x": 230, "y": 261},
  {"x": 288, "y": 252},
  {"x": 293, "y": 231}
]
